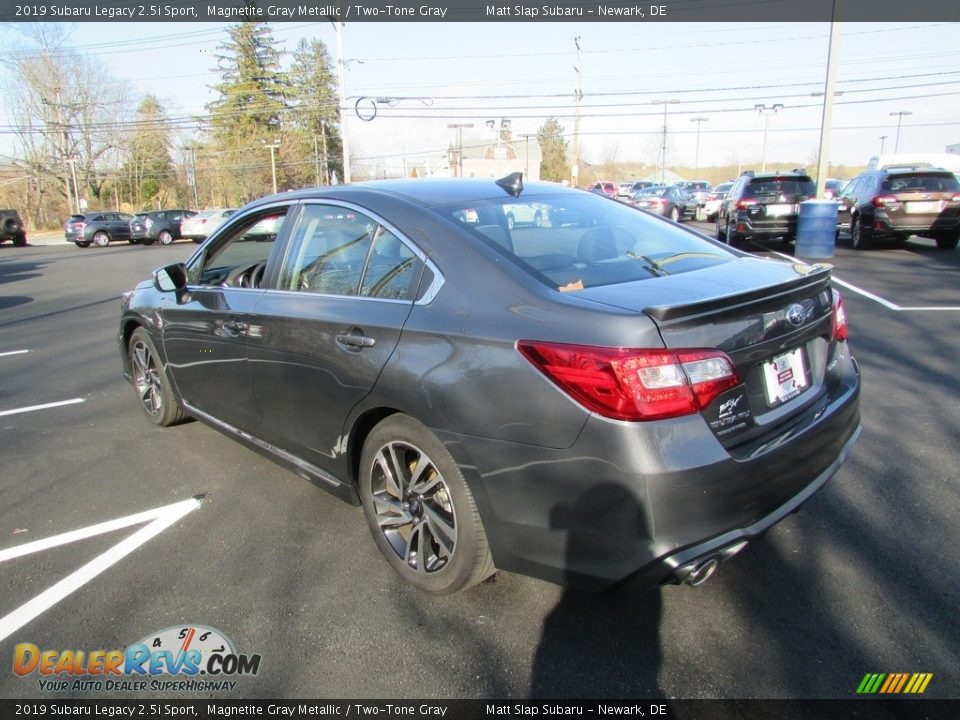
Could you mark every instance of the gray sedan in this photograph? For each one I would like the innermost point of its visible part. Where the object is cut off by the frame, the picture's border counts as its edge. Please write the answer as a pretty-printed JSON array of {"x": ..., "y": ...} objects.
[{"x": 615, "y": 399}]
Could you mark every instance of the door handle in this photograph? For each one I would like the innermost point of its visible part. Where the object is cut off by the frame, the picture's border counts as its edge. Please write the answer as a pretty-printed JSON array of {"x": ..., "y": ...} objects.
[{"x": 354, "y": 339}]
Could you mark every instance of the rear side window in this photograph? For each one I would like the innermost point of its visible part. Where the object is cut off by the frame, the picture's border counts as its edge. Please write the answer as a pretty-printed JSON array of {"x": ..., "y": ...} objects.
[{"x": 921, "y": 183}]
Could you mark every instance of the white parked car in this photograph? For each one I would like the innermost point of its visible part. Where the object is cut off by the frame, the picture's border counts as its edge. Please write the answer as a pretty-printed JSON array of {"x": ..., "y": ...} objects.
[
  {"x": 199, "y": 226},
  {"x": 523, "y": 214},
  {"x": 713, "y": 201}
]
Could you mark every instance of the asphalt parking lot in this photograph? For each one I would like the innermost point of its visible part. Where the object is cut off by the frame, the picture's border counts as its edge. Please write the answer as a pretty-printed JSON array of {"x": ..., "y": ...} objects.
[{"x": 862, "y": 580}]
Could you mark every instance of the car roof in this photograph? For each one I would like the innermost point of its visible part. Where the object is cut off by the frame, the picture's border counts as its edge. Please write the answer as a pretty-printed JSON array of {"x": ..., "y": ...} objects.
[{"x": 428, "y": 192}]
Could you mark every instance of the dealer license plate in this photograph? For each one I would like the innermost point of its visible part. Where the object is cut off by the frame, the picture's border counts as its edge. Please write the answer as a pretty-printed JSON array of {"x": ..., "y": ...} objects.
[
  {"x": 784, "y": 377},
  {"x": 780, "y": 210},
  {"x": 930, "y": 206}
]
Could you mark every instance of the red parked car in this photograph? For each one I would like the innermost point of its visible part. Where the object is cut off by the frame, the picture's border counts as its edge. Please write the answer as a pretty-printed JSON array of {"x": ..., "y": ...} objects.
[{"x": 607, "y": 187}]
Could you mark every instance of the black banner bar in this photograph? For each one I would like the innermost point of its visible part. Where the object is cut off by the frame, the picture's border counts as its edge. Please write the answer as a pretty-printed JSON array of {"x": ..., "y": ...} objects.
[
  {"x": 650, "y": 11},
  {"x": 865, "y": 709}
]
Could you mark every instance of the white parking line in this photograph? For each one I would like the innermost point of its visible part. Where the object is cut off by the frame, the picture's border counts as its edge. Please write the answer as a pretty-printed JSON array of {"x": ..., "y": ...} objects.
[
  {"x": 870, "y": 296},
  {"x": 16, "y": 411},
  {"x": 13, "y": 352},
  {"x": 163, "y": 517}
]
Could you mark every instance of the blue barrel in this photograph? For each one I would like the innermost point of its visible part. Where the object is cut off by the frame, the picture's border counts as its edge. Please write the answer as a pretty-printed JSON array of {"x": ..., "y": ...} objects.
[{"x": 817, "y": 228}]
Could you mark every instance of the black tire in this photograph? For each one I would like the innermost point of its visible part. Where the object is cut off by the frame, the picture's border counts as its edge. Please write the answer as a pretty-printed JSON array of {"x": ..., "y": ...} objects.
[
  {"x": 199, "y": 241},
  {"x": 101, "y": 239},
  {"x": 538, "y": 219},
  {"x": 165, "y": 237},
  {"x": 131, "y": 241},
  {"x": 511, "y": 221},
  {"x": 148, "y": 241},
  {"x": 10, "y": 226},
  {"x": 860, "y": 237},
  {"x": 948, "y": 241},
  {"x": 675, "y": 214},
  {"x": 151, "y": 383},
  {"x": 732, "y": 238},
  {"x": 435, "y": 505},
  {"x": 720, "y": 234},
  {"x": 20, "y": 239},
  {"x": 83, "y": 243}
]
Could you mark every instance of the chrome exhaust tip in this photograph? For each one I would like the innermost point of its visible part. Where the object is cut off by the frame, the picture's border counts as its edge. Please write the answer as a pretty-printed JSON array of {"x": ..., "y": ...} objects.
[{"x": 702, "y": 572}]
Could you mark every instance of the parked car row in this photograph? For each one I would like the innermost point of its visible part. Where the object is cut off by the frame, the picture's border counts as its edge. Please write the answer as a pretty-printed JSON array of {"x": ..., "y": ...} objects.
[{"x": 162, "y": 226}]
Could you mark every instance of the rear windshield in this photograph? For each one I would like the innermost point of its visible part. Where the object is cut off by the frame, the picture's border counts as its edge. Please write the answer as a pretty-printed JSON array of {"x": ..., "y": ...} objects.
[
  {"x": 577, "y": 241},
  {"x": 695, "y": 186},
  {"x": 781, "y": 186},
  {"x": 921, "y": 182}
]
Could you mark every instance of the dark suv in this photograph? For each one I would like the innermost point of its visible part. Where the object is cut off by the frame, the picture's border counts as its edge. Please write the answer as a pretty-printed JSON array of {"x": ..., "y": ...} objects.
[
  {"x": 762, "y": 206},
  {"x": 98, "y": 228},
  {"x": 897, "y": 202},
  {"x": 162, "y": 225},
  {"x": 11, "y": 228}
]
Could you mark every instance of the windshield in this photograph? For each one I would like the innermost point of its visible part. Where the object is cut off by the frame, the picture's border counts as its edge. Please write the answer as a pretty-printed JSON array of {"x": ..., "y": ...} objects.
[
  {"x": 575, "y": 241},
  {"x": 781, "y": 186}
]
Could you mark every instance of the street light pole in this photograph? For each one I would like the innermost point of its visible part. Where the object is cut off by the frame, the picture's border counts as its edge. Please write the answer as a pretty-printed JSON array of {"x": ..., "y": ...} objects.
[
  {"x": 899, "y": 114},
  {"x": 696, "y": 156},
  {"x": 663, "y": 147},
  {"x": 766, "y": 112},
  {"x": 273, "y": 161},
  {"x": 883, "y": 139}
]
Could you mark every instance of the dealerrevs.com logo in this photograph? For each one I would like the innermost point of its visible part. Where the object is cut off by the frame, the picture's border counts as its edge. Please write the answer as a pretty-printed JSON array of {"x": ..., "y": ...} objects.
[{"x": 172, "y": 659}]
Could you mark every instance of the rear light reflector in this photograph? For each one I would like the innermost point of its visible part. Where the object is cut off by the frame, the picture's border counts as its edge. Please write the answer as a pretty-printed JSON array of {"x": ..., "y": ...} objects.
[
  {"x": 634, "y": 384},
  {"x": 883, "y": 200},
  {"x": 838, "y": 325},
  {"x": 744, "y": 203}
]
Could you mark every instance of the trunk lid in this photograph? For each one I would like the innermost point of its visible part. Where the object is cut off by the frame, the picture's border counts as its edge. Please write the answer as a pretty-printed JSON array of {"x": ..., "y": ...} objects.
[{"x": 772, "y": 318}]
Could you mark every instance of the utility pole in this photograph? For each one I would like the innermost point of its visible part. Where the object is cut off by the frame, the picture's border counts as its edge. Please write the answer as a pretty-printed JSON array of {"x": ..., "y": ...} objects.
[
  {"x": 827, "y": 120},
  {"x": 696, "y": 156},
  {"x": 62, "y": 144},
  {"x": 883, "y": 140},
  {"x": 193, "y": 165},
  {"x": 326, "y": 163},
  {"x": 526, "y": 150},
  {"x": 459, "y": 128},
  {"x": 344, "y": 135},
  {"x": 578, "y": 96},
  {"x": 663, "y": 148},
  {"x": 316, "y": 158}
]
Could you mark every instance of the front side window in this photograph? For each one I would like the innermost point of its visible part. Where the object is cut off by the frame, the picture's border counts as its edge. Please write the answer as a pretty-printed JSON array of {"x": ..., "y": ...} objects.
[
  {"x": 584, "y": 241},
  {"x": 240, "y": 258}
]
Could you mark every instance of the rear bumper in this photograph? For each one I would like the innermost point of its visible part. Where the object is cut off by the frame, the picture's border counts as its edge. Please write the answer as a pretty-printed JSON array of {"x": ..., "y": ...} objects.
[
  {"x": 929, "y": 225},
  {"x": 631, "y": 501},
  {"x": 781, "y": 227}
]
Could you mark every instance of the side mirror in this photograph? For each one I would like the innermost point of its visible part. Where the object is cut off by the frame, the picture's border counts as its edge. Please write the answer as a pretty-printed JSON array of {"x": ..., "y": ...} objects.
[{"x": 172, "y": 278}]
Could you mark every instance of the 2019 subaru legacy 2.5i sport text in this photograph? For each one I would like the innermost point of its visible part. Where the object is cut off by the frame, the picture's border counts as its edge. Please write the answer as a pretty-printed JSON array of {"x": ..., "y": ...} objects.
[{"x": 620, "y": 399}]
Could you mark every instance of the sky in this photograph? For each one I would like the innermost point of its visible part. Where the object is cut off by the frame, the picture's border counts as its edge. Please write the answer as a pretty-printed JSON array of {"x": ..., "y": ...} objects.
[{"x": 441, "y": 73}]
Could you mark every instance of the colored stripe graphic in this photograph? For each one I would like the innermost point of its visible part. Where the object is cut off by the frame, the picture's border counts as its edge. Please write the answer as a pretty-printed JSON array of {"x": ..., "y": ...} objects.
[{"x": 894, "y": 683}]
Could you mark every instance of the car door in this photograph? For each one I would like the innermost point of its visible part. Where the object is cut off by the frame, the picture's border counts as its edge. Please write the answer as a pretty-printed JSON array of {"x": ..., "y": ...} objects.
[
  {"x": 206, "y": 331},
  {"x": 343, "y": 294},
  {"x": 119, "y": 225},
  {"x": 845, "y": 203}
]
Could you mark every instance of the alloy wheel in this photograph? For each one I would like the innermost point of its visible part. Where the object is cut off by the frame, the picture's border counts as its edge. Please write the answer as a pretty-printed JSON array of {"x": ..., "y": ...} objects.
[
  {"x": 146, "y": 378},
  {"x": 413, "y": 507}
]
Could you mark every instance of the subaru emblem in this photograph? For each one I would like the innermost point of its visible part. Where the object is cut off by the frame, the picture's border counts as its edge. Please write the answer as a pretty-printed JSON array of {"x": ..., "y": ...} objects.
[{"x": 796, "y": 315}]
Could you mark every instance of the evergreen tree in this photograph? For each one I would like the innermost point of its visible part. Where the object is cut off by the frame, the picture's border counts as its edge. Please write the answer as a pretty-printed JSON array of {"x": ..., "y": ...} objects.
[
  {"x": 554, "y": 164},
  {"x": 315, "y": 115},
  {"x": 248, "y": 114}
]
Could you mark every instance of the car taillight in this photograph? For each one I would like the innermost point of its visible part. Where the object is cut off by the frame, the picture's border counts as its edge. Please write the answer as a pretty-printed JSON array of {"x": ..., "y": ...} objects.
[
  {"x": 744, "y": 203},
  {"x": 634, "y": 384},
  {"x": 882, "y": 200},
  {"x": 955, "y": 198},
  {"x": 838, "y": 325}
]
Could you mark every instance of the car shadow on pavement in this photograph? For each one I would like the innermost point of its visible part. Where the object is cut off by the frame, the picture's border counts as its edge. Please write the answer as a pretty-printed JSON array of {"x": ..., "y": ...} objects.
[{"x": 621, "y": 657}]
